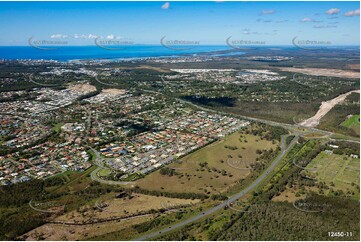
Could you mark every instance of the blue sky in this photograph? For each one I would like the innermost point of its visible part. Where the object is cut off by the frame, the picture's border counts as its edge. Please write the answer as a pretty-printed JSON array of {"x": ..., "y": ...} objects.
[{"x": 275, "y": 23}]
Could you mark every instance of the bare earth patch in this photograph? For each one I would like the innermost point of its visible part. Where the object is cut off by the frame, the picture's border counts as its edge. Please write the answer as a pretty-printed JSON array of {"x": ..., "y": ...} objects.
[
  {"x": 289, "y": 195},
  {"x": 354, "y": 66},
  {"x": 324, "y": 109},
  {"x": 105, "y": 215},
  {"x": 113, "y": 91},
  {"x": 323, "y": 72},
  {"x": 56, "y": 232},
  {"x": 110, "y": 207},
  {"x": 82, "y": 88}
]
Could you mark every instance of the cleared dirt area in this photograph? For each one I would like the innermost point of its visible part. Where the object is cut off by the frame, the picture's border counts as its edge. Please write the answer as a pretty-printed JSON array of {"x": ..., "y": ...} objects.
[
  {"x": 105, "y": 215},
  {"x": 324, "y": 109},
  {"x": 288, "y": 195},
  {"x": 354, "y": 66},
  {"x": 212, "y": 169},
  {"x": 56, "y": 232},
  {"x": 113, "y": 91},
  {"x": 82, "y": 88},
  {"x": 323, "y": 72},
  {"x": 111, "y": 207}
]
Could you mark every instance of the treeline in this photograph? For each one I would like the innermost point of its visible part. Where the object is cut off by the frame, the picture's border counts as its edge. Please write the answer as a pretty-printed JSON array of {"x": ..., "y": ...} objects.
[
  {"x": 18, "y": 194},
  {"x": 211, "y": 101},
  {"x": 266, "y": 131},
  {"x": 187, "y": 195},
  {"x": 16, "y": 216},
  {"x": 267, "y": 220},
  {"x": 281, "y": 221}
]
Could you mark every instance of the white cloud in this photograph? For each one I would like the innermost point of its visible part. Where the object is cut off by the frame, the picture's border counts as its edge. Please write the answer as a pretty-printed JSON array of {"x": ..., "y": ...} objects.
[
  {"x": 92, "y": 36},
  {"x": 111, "y": 36},
  {"x": 166, "y": 5},
  {"x": 84, "y": 36},
  {"x": 324, "y": 26},
  {"x": 77, "y": 36},
  {"x": 333, "y": 11},
  {"x": 58, "y": 36},
  {"x": 353, "y": 13},
  {"x": 265, "y": 12},
  {"x": 306, "y": 20}
]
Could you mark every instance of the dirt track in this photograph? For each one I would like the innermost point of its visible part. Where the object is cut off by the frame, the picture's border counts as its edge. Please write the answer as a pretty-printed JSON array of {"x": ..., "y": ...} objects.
[{"x": 324, "y": 109}]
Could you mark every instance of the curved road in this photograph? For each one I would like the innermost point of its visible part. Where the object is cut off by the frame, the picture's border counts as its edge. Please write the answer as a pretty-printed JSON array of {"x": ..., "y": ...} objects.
[
  {"x": 261, "y": 178},
  {"x": 230, "y": 200},
  {"x": 94, "y": 174}
]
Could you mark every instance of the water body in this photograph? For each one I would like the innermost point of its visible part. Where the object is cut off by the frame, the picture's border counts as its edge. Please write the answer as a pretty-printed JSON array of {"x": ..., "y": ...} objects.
[{"x": 67, "y": 53}]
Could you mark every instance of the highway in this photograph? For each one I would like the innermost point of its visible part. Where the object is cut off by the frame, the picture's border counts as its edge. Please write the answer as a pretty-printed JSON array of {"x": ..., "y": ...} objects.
[
  {"x": 273, "y": 123},
  {"x": 253, "y": 185},
  {"x": 237, "y": 196}
]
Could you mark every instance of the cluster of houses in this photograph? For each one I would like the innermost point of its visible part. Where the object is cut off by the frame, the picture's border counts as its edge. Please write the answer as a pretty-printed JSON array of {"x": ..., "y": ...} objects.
[
  {"x": 47, "y": 159},
  {"x": 225, "y": 75},
  {"x": 20, "y": 131},
  {"x": 46, "y": 100},
  {"x": 109, "y": 95},
  {"x": 171, "y": 131},
  {"x": 254, "y": 76},
  {"x": 148, "y": 151}
]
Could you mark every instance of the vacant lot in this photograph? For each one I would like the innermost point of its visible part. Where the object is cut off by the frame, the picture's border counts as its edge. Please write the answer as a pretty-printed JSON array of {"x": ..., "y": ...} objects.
[
  {"x": 58, "y": 232},
  {"x": 323, "y": 72},
  {"x": 212, "y": 169},
  {"x": 109, "y": 206},
  {"x": 83, "y": 88},
  {"x": 339, "y": 172}
]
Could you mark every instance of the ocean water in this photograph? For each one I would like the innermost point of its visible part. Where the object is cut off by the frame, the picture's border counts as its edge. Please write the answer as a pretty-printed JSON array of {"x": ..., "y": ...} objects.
[{"x": 67, "y": 53}]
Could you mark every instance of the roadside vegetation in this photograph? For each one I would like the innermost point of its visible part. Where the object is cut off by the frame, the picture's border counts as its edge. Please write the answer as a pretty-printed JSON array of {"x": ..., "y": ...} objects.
[{"x": 262, "y": 216}]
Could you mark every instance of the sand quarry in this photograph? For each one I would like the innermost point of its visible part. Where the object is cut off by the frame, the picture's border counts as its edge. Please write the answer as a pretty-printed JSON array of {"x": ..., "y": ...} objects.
[{"x": 324, "y": 109}]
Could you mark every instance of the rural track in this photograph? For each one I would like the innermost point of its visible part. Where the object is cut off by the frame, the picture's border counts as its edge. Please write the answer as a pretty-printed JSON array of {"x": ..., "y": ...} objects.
[{"x": 235, "y": 197}]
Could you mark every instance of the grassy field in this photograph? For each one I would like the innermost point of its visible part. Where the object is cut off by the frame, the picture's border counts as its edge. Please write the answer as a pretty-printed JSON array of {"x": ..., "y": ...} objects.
[
  {"x": 352, "y": 122},
  {"x": 212, "y": 169},
  {"x": 119, "y": 207},
  {"x": 57, "y": 127},
  {"x": 75, "y": 181},
  {"x": 57, "y": 232},
  {"x": 118, "y": 229},
  {"x": 340, "y": 172},
  {"x": 104, "y": 172}
]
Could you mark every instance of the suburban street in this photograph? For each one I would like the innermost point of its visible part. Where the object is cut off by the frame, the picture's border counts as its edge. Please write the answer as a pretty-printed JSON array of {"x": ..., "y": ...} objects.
[{"x": 94, "y": 174}]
